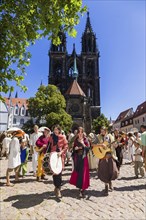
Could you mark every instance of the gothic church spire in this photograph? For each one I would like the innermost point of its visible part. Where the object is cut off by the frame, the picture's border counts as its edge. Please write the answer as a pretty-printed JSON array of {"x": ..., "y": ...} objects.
[{"x": 88, "y": 38}]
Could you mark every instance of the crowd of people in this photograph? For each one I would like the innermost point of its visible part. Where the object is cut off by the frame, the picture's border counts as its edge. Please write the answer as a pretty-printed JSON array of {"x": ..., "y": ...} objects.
[{"x": 103, "y": 152}]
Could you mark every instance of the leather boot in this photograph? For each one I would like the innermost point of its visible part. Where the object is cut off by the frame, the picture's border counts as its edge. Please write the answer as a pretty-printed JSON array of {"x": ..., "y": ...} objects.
[
  {"x": 43, "y": 177},
  {"x": 106, "y": 190},
  {"x": 111, "y": 186},
  {"x": 57, "y": 192}
]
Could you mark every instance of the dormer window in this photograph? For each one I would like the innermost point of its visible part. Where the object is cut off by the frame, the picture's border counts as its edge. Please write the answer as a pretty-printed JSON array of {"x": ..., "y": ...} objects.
[
  {"x": 16, "y": 110},
  {"x": 22, "y": 110}
]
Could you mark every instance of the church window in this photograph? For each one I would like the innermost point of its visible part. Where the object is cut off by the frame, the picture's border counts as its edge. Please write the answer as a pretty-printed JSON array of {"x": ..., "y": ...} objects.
[
  {"x": 89, "y": 46},
  {"x": 58, "y": 72},
  {"x": 89, "y": 92},
  {"x": 90, "y": 69},
  {"x": 71, "y": 71}
]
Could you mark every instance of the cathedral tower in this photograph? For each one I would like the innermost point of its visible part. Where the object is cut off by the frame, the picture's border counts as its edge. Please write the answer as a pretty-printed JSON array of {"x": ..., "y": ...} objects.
[{"x": 61, "y": 68}]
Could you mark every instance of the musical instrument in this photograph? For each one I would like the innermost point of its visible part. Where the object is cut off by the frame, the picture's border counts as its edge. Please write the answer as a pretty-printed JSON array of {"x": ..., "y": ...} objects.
[
  {"x": 37, "y": 149},
  {"x": 46, "y": 164},
  {"x": 55, "y": 163},
  {"x": 100, "y": 151},
  {"x": 52, "y": 163}
]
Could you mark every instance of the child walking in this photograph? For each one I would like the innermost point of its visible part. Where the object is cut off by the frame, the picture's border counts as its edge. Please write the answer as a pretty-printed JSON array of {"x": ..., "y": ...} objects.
[
  {"x": 138, "y": 163},
  {"x": 24, "y": 157}
]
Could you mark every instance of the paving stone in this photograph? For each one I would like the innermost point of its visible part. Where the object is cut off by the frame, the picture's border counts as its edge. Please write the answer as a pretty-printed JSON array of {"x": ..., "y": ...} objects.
[{"x": 32, "y": 200}]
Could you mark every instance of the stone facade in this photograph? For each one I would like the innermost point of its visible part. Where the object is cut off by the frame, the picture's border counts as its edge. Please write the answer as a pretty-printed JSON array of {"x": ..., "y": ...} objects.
[
  {"x": 61, "y": 69},
  {"x": 17, "y": 112},
  {"x": 3, "y": 116},
  {"x": 129, "y": 119}
]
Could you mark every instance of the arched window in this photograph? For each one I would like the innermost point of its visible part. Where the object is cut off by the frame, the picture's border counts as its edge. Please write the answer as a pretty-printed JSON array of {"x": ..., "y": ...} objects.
[
  {"x": 22, "y": 121},
  {"x": 14, "y": 121},
  {"x": 58, "y": 72},
  {"x": 22, "y": 110},
  {"x": 89, "y": 92},
  {"x": 90, "y": 69},
  {"x": 71, "y": 71},
  {"x": 16, "y": 110}
]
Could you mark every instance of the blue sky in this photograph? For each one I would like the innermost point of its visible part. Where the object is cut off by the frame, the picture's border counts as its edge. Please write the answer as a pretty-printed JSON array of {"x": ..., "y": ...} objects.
[{"x": 120, "y": 29}]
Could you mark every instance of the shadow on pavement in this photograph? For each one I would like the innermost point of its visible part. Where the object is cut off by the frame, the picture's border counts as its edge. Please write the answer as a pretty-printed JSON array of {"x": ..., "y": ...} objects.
[
  {"x": 66, "y": 174},
  {"x": 93, "y": 174},
  {"x": 130, "y": 188},
  {"x": 74, "y": 193},
  {"x": 127, "y": 178},
  {"x": 26, "y": 201}
]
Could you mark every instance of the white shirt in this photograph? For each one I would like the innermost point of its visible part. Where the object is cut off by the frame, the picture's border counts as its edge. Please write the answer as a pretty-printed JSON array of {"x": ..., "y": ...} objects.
[
  {"x": 33, "y": 138},
  {"x": 6, "y": 142},
  {"x": 138, "y": 156},
  {"x": 14, "y": 156},
  {"x": 71, "y": 135}
]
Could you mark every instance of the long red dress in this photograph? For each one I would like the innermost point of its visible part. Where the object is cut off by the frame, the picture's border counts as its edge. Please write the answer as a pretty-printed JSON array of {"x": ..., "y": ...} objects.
[{"x": 80, "y": 175}]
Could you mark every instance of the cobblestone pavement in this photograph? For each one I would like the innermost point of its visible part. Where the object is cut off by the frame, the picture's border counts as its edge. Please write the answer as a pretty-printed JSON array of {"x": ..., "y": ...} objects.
[{"x": 34, "y": 200}]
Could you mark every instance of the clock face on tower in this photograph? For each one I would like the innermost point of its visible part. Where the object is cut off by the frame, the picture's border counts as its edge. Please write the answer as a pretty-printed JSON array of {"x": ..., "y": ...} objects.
[{"x": 75, "y": 107}]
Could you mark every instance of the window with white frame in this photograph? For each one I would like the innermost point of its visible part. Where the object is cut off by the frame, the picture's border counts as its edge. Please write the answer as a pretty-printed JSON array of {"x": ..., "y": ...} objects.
[
  {"x": 22, "y": 121},
  {"x": 22, "y": 110},
  {"x": 16, "y": 110},
  {"x": 14, "y": 121}
]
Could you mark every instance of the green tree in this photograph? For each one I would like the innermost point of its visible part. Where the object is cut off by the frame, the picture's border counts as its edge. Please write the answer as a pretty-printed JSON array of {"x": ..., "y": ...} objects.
[
  {"x": 28, "y": 126},
  {"x": 24, "y": 21},
  {"x": 48, "y": 107},
  {"x": 100, "y": 122}
]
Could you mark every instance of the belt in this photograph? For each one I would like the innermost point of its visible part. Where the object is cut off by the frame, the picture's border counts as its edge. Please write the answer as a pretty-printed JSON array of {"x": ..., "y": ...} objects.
[{"x": 80, "y": 152}]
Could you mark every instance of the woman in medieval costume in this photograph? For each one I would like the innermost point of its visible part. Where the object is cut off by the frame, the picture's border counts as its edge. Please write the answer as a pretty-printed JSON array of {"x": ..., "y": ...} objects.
[
  {"x": 80, "y": 174},
  {"x": 107, "y": 167}
]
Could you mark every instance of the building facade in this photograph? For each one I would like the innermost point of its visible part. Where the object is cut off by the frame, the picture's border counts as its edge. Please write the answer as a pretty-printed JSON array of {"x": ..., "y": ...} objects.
[
  {"x": 61, "y": 67},
  {"x": 17, "y": 112},
  {"x": 3, "y": 116},
  {"x": 140, "y": 116},
  {"x": 128, "y": 119},
  {"x": 122, "y": 119}
]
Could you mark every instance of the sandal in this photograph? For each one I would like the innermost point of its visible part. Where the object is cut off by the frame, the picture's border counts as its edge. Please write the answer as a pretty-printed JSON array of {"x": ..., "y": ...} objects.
[{"x": 9, "y": 184}]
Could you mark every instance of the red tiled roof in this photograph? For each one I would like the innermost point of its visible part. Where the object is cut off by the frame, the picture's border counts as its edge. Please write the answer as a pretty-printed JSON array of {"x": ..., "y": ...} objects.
[
  {"x": 141, "y": 109},
  {"x": 16, "y": 101},
  {"x": 122, "y": 115},
  {"x": 75, "y": 89}
]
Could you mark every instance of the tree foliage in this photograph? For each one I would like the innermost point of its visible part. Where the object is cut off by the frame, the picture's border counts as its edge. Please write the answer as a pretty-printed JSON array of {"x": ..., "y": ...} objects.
[
  {"x": 28, "y": 126},
  {"x": 48, "y": 107},
  {"x": 24, "y": 21},
  {"x": 100, "y": 122}
]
